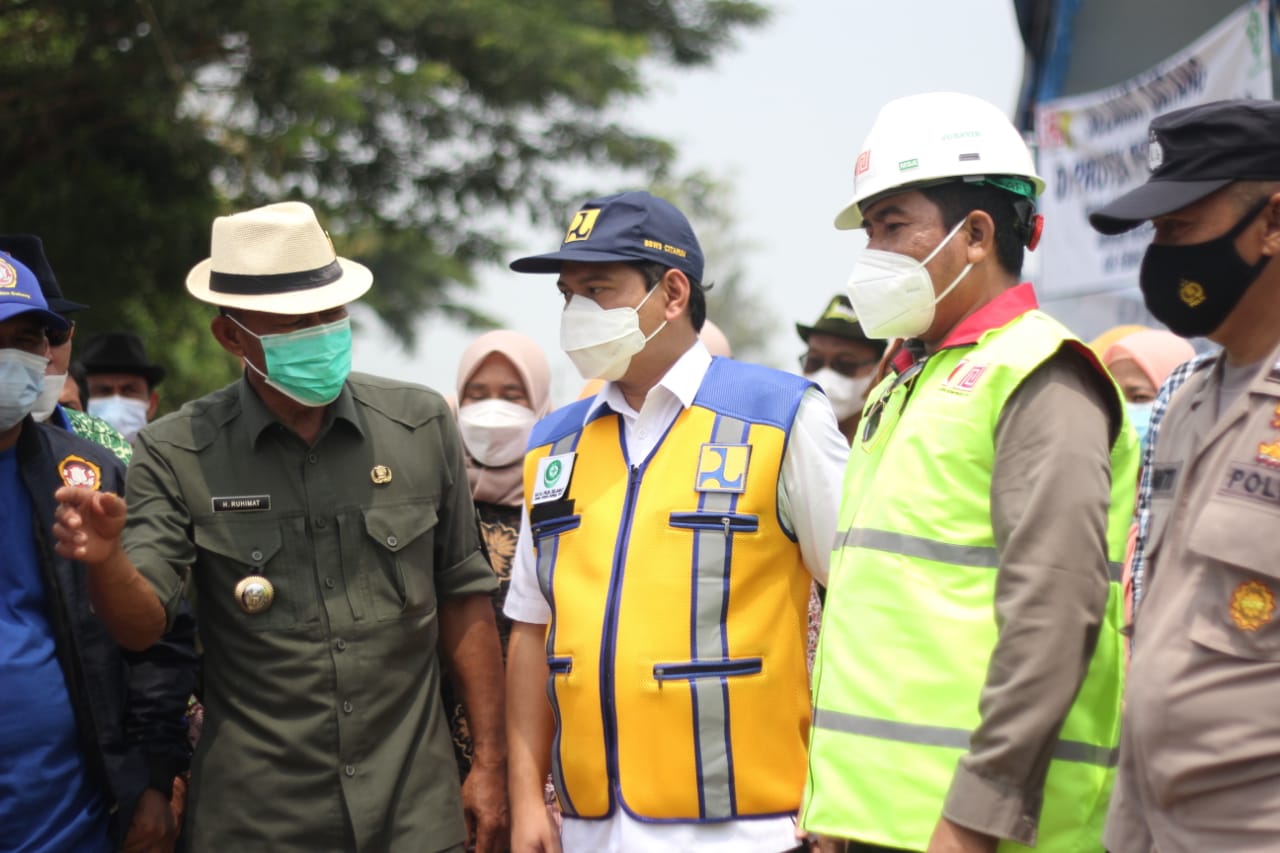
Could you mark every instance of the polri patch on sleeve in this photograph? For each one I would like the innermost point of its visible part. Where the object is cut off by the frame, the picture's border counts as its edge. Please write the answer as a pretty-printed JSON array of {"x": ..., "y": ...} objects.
[
  {"x": 552, "y": 479},
  {"x": 722, "y": 468},
  {"x": 80, "y": 472},
  {"x": 242, "y": 503}
]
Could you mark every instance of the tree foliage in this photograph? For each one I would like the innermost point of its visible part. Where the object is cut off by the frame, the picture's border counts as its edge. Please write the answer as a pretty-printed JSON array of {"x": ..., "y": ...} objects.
[{"x": 415, "y": 127}]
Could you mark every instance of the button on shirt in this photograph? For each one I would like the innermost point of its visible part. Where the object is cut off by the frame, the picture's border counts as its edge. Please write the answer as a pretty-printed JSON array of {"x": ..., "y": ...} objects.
[
  {"x": 809, "y": 487},
  {"x": 323, "y": 727}
]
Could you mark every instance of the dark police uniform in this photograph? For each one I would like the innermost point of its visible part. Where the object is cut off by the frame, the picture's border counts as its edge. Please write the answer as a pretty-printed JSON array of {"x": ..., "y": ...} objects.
[{"x": 318, "y": 571}]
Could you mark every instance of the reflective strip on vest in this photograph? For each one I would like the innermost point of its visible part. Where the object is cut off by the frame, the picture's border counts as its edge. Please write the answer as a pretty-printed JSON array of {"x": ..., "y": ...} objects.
[
  {"x": 918, "y": 547},
  {"x": 711, "y": 695},
  {"x": 1066, "y": 750},
  {"x": 547, "y": 560}
]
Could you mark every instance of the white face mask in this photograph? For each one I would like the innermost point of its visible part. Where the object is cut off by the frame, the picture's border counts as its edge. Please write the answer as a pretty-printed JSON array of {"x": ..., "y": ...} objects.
[
  {"x": 601, "y": 342},
  {"x": 20, "y": 383},
  {"x": 49, "y": 394},
  {"x": 844, "y": 392},
  {"x": 892, "y": 294},
  {"x": 495, "y": 431},
  {"x": 126, "y": 414}
]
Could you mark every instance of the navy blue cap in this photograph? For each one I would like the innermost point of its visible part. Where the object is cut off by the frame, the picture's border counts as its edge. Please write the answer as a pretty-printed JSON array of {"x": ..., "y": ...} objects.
[
  {"x": 29, "y": 249},
  {"x": 630, "y": 226},
  {"x": 20, "y": 294},
  {"x": 1193, "y": 152}
]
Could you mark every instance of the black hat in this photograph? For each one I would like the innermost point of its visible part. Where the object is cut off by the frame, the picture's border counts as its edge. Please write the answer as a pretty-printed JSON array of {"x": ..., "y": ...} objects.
[
  {"x": 119, "y": 352},
  {"x": 838, "y": 319},
  {"x": 1194, "y": 152},
  {"x": 29, "y": 249}
]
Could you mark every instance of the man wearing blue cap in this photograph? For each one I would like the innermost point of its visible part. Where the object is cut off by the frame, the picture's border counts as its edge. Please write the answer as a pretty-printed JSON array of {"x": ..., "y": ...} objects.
[
  {"x": 1199, "y": 745},
  {"x": 29, "y": 249},
  {"x": 91, "y": 736},
  {"x": 672, "y": 525}
]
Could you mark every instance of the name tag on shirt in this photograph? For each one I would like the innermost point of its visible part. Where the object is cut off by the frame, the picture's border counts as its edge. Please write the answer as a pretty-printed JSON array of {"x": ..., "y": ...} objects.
[
  {"x": 1163, "y": 479},
  {"x": 552, "y": 480},
  {"x": 242, "y": 503}
]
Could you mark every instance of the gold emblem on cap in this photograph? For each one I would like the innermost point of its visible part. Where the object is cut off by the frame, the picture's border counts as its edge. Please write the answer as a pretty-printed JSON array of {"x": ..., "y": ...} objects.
[
  {"x": 1191, "y": 293},
  {"x": 380, "y": 475},
  {"x": 255, "y": 594}
]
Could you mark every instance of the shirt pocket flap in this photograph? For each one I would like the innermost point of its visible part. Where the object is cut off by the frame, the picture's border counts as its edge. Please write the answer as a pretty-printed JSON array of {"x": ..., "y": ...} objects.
[
  {"x": 251, "y": 543},
  {"x": 395, "y": 527},
  {"x": 1239, "y": 534}
]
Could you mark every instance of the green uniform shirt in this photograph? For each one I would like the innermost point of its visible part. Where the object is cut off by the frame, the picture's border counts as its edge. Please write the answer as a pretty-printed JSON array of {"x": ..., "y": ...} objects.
[
  {"x": 323, "y": 725},
  {"x": 99, "y": 432}
]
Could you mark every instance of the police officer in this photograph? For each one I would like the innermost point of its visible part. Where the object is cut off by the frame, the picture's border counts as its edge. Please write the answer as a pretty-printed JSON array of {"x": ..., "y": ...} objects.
[
  {"x": 333, "y": 545},
  {"x": 1199, "y": 758},
  {"x": 968, "y": 677},
  {"x": 672, "y": 525}
]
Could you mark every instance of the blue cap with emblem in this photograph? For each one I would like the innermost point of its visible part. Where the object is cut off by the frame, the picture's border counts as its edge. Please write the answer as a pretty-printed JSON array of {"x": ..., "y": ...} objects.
[
  {"x": 629, "y": 226},
  {"x": 20, "y": 294}
]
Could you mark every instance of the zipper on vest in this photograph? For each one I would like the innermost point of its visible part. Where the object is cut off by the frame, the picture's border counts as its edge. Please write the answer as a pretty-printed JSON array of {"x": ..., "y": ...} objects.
[
  {"x": 707, "y": 669},
  {"x": 560, "y": 666},
  {"x": 728, "y": 522},
  {"x": 609, "y": 647}
]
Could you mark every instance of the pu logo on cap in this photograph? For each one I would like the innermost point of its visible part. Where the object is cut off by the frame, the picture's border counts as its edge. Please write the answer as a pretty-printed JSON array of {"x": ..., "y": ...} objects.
[
  {"x": 1191, "y": 293},
  {"x": 863, "y": 164},
  {"x": 8, "y": 275},
  {"x": 583, "y": 223}
]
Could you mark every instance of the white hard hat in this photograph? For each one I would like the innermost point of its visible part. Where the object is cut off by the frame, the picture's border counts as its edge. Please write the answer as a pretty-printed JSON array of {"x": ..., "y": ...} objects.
[{"x": 927, "y": 139}]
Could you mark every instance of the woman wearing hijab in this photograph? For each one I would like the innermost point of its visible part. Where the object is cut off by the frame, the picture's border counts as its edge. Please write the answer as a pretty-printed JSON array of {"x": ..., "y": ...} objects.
[
  {"x": 504, "y": 387},
  {"x": 1141, "y": 362}
]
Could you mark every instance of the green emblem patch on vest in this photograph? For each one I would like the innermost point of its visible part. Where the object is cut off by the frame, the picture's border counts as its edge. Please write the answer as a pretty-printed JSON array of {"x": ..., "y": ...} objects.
[{"x": 723, "y": 468}]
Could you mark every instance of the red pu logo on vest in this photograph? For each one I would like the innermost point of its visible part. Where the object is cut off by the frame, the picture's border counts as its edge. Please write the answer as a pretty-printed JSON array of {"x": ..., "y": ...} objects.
[{"x": 964, "y": 377}]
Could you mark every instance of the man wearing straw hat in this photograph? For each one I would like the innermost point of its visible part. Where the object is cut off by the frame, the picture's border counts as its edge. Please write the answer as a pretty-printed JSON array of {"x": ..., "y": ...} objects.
[{"x": 334, "y": 551}]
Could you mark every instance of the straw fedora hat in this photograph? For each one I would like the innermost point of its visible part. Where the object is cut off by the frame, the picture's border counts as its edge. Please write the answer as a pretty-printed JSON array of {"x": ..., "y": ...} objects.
[{"x": 276, "y": 259}]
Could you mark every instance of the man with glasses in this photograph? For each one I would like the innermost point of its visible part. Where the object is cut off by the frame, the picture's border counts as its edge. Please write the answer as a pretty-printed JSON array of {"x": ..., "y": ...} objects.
[
  {"x": 968, "y": 677},
  {"x": 29, "y": 249},
  {"x": 841, "y": 360}
]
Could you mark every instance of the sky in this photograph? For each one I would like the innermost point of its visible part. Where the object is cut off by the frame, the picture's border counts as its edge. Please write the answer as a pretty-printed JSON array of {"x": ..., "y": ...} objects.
[{"x": 780, "y": 119}]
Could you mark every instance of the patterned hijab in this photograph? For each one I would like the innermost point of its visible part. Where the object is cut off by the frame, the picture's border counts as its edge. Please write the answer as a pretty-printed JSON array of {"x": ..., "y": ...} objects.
[{"x": 504, "y": 486}]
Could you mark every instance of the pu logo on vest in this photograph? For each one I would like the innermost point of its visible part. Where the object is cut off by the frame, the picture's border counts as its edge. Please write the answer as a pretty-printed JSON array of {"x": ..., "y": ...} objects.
[
  {"x": 964, "y": 378},
  {"x": 553, "y": 477},
  {"x": 583, "y": 223},
  {"x": 723, "y": 468}
]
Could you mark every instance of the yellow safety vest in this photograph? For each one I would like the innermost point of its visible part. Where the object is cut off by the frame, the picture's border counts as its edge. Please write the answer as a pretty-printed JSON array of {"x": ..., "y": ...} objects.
[
  {"x": 909, "y": 625},
  {"x": 679, "y": 606}
]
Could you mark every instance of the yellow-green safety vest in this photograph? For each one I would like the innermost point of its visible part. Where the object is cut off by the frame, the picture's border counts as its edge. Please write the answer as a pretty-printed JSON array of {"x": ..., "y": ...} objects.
[{"x": 909, "y": 624}]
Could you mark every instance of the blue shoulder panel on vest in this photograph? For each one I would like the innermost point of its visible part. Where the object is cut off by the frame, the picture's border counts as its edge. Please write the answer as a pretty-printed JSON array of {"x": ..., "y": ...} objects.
[
  {"x": 559, "y": 423},
  {"x": 751, "y": 392}
]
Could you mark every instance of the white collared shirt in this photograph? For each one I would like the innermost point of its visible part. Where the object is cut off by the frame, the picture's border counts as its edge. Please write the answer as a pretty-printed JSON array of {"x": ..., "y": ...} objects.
[{"x": 809, "y": 488}]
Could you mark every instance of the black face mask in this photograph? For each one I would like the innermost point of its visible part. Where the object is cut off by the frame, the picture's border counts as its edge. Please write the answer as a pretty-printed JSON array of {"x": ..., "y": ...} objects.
[{"x": 1192, "y": 289}]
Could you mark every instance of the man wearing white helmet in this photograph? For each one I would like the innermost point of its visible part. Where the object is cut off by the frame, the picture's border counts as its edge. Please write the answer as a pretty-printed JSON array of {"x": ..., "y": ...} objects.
[{"x": 968, "y": 678}]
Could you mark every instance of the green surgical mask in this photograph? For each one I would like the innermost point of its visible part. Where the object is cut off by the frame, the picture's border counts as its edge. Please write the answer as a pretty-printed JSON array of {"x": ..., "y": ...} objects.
[{"x": 309, "y": 365}]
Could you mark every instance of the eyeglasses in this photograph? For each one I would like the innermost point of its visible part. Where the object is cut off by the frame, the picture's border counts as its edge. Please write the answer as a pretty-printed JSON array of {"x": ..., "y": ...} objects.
[
  {"x": 845, "y": 365},
  {"x": 58, "y": 337},
  {"x": 871, "y": 422}
]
